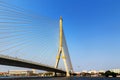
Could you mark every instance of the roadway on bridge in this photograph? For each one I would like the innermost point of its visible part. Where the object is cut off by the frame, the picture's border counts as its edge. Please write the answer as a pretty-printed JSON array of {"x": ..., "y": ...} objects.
[{"x": 11, "y": 61}]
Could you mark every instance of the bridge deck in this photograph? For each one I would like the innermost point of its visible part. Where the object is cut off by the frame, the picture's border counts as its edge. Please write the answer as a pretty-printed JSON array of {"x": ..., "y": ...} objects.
[{"x": 11, "y": 61}]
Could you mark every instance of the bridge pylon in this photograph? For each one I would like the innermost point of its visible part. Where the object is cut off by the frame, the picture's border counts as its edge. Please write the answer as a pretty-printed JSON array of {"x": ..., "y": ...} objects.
[{"x": 61, "y": 51}]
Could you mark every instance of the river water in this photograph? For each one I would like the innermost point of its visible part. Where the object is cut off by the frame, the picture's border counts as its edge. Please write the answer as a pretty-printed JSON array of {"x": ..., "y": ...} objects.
[{"x": 58, "y": 78}]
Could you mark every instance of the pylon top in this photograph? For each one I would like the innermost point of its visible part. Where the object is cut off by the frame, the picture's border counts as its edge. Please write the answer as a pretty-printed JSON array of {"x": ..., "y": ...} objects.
[{"x": 60, "y": 17}]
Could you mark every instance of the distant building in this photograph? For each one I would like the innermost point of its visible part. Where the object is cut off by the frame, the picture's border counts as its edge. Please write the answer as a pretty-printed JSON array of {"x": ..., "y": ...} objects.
[
  {"x": 101, "y": 71},
  {"x": 3, "y": 73},
  {"x": 43, "y": 74},
  {"x": 92, "y": 71},
  {"x": 84, "y": 71},
  {"x": 20, "y": 73},
  {"x": 115, "y": 70},
  {"x": 34, "y": 71}
]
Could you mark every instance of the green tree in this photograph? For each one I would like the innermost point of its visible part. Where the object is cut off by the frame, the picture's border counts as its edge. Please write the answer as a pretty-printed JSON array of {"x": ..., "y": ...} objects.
[{"x": 109, "y": 73}]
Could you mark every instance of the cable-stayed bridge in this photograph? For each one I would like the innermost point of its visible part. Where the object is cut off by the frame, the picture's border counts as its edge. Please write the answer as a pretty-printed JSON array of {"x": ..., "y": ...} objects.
[{"x": 32, "y": 41}]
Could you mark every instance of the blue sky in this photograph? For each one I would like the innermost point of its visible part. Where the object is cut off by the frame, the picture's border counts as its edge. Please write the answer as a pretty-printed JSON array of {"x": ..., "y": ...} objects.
[{"x": 91, "y": 27}]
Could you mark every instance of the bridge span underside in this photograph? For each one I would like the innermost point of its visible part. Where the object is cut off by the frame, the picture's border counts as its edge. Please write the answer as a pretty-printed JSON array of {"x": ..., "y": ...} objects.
[{"x": 11, "y": 61}]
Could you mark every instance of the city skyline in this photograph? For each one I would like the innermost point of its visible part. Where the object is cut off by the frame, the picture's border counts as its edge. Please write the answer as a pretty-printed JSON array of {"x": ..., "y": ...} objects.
[{"x": 91, "y": 29}]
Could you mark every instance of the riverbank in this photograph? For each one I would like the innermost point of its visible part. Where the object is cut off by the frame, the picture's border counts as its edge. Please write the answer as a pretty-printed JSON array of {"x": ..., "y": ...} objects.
[{"x": 59, "y": 78}]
